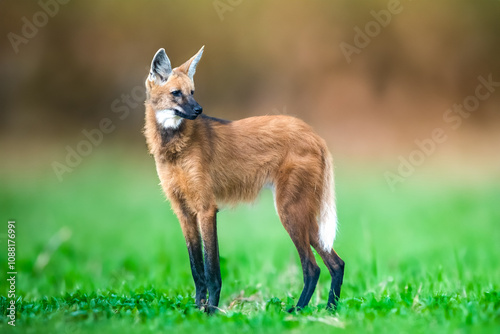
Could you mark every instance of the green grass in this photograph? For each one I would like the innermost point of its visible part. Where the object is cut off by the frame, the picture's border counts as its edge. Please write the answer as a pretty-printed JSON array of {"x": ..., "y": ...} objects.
[{"x": 422, "y": 259}]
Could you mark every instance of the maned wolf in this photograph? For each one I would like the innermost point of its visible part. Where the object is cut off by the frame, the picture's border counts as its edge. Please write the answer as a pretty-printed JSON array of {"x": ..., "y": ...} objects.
[{"x": 204, "y": 161}]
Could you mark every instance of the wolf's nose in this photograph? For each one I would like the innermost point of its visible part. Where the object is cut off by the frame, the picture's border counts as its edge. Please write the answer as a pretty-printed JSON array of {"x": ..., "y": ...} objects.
[{"x": 198, "y": 110}]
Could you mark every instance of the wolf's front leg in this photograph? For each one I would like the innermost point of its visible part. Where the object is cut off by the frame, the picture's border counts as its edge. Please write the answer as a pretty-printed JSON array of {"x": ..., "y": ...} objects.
[
  {"x": 193, "y": 241},
  {"x": 208, "y": 225}
]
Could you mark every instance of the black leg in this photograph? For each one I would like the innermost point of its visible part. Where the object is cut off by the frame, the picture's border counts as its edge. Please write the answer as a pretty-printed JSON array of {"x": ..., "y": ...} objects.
[
  {"x": 337, "y": 279},
  {"x": 297, "y": 224},
  {"x": 336, "y": 267},
  {"x": 208, "y": 225},
  {"x": 193, "y": 241},
  {"x": 198, "y": 272},
  {"x": 311, "y": 273}
]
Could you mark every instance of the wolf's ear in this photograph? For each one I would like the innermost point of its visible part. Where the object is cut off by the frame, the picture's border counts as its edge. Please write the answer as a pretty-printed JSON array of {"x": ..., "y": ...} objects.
[
  {"x": 160, "y": 67},
  {"x": 189, "y": 67}
]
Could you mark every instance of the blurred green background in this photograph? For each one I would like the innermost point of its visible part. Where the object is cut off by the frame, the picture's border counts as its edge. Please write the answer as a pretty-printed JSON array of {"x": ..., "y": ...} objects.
[{"x": 421, "y": 253}]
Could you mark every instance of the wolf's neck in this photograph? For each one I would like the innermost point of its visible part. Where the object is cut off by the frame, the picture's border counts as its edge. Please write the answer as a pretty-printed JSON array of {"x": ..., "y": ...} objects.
[{"x": 169, "y": 134}]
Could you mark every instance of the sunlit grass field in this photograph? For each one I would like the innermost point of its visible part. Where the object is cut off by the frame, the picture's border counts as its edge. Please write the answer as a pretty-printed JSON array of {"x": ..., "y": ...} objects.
[{"x": 102, "y": 252}]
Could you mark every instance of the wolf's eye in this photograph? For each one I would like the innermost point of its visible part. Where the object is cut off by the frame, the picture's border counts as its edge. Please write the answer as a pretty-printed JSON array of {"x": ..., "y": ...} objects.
[
  {"x": 192, "y": 92},
  {"x": 176, "y": 93}
]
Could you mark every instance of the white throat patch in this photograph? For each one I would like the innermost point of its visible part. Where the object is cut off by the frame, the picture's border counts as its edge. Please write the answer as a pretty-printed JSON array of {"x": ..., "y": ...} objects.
[{"x": 168, "y": 119}]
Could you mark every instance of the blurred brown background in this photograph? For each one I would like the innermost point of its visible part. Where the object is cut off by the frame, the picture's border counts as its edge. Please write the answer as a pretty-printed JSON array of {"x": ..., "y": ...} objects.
[{"x": 261, "y": 57}]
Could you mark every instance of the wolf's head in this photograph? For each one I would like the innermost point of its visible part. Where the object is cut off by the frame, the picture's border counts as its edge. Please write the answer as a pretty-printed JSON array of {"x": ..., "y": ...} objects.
[{"x": 170, "y": 91}]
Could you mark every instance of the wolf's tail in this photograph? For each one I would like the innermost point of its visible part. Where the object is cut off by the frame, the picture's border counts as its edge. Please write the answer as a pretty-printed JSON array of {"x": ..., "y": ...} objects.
[{"x": 327, "y": 219}]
